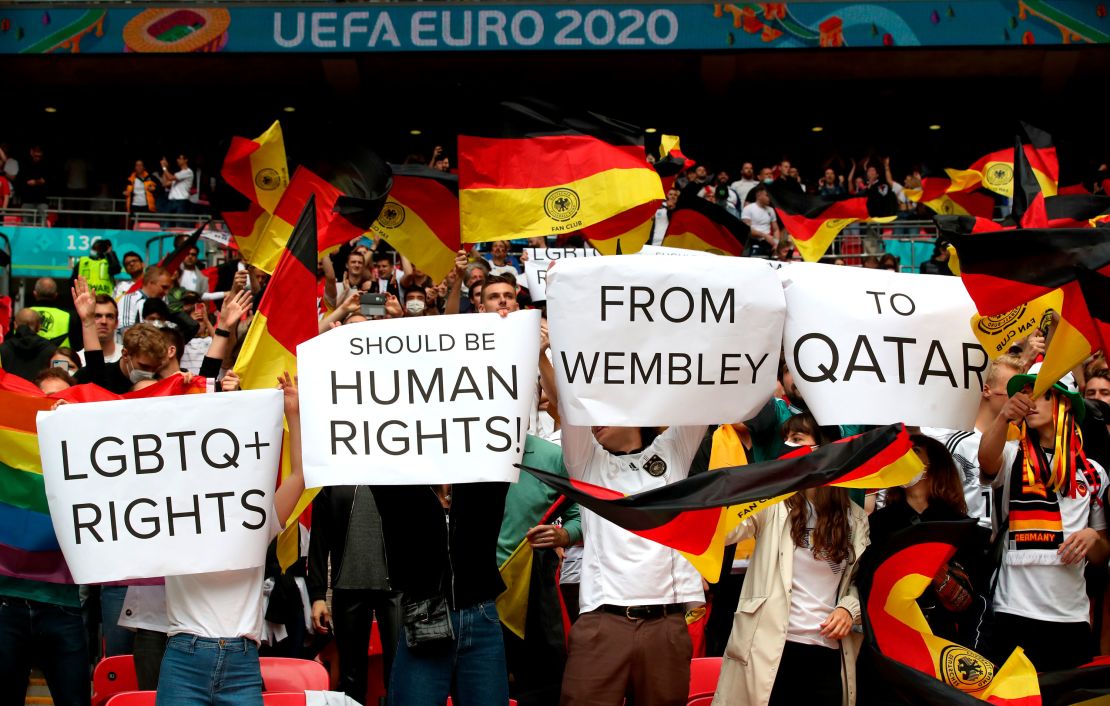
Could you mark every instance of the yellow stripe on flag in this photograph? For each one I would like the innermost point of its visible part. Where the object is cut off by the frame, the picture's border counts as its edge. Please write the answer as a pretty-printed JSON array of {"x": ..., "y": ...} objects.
[
  {"x": 419, "y": 243},
  {"x": 270, "y": 170},
  {"x": 495, "y": 214},
  {"x": 1066, "y": 349},
  {"x": 813, "y": 248},
  {"x": 668, "y": 143},
  {"x": 998, "y": 333},
  {"x": 896, "y": 473},
  {"x": 21, "y": 451},
  {"x": 512, "y": 604}
]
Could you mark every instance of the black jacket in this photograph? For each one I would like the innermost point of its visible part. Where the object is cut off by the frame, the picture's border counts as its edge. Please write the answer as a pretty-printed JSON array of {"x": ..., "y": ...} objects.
[
  {"x": 331, "y": 519},
  {"x": 25, "y": 353},
  {"x": 418, "y": 533}
]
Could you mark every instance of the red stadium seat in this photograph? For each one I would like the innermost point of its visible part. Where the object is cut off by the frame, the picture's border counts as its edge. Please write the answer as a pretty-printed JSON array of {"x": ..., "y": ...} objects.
[
  {"x": 704, "y": 672},
  {"x": 133, "y": 698},
  {"x": 283, "y": 698},
  {"x": 289, "y": 674},
  {"x": 113, "y": 675},
  {"x": 147, "y": 225},
  {"x": 12, "y": 220}
]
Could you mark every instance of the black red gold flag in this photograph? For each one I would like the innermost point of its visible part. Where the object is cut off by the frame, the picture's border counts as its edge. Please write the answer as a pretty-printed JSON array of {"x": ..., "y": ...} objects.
[
  {"x": 815, "y": 221},
  {"x": 694, "y": 515},
  {"x": 421, "y": 218},
  {"x": 696, "y": 224},
  {"x": 995, "y": 171},
  {"x": 173, "y": 259}
]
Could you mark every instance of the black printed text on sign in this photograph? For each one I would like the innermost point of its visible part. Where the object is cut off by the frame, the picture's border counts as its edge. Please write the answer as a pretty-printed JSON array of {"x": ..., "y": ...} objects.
[
  {"x": 878, "y": 347},
  {"x": 162, "y": 486},
  {"x": 664, "y": 340},
  {"x": 440, "y": 399}
]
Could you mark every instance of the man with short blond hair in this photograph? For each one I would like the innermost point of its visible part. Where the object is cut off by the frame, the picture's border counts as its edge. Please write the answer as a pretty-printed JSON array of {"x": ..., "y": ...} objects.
[{"x": 156, "y": 284}]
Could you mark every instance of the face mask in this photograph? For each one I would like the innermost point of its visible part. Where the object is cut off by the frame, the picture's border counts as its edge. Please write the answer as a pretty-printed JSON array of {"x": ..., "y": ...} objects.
[
  {"x": 915, "y": 480},
  {"x": 768, "y": 181},
  {"x": 792, "y": 444},
  {"x": 415, "y": 307},
  {"x": 137, "y": 376}
]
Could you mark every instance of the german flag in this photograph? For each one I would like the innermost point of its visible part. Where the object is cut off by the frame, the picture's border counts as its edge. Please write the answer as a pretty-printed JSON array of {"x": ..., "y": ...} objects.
[
  {"x": 693, "y": 516},
  {"x": 938, "y": 194},
  {"x": 1028, "y": 207},
  {"x": 1095, "y": 289},
  {"x": 815, "y": 221},
  {"x": 261, "y": 237},
  {"x": 257, "y": 168},
  {"x": 625, "y": 233},
  {"x": 671, "y": 161},
  {"x": 1004, "y": 269},
  {"x": 922, "y": 667},
  {"x": 172, "y": 261},
  {"x": 420, "y": 219},
  {"x": 696, "y": 224},
  {"x": 286, "y": 318},
  {"x": 550, "y": 173},
  {"x": 995, "y": 171},
  {"x": 1076, "y": 210}
]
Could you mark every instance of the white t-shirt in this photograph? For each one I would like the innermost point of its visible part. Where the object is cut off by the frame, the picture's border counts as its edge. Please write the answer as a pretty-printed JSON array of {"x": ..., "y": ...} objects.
[
  {"x": 812, "y": 592},
  {"x": 220, "y": 604},
  {"x": 144, "y": 607},
  {"x": 506, "y": 269},
  {"x": 182, "y": 185},
  {"x": 618, "y": 567},
  {"x": 114, "y": 356},
  {"x": 191, "y": 280},
  {"x": 138, "y": 193},
  {"x": 964, "y": 447},
  {"x": 1047, "y": 590},
  {"x": 758, "y": 217},
  {"x": 742, "y": 187}
]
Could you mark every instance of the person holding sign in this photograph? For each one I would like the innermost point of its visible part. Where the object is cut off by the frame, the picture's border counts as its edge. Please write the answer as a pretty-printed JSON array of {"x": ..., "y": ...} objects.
[
  {"x": 216, "y": 619},
  {"x": 631, "y": 635}
]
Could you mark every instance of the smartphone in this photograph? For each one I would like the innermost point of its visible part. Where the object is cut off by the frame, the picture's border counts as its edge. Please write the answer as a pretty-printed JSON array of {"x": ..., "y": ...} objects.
[{"x": 372, "y": 304}]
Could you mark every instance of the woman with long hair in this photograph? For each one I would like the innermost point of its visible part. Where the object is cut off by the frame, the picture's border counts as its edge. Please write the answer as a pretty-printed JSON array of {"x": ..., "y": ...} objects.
[
  {"x": 937, "y": 495},
  {"x": 792, "y": 640}
]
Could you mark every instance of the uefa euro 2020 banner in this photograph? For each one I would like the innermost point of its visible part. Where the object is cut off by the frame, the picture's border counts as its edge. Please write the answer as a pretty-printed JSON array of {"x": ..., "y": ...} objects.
[{"x": 450, "y": 27}]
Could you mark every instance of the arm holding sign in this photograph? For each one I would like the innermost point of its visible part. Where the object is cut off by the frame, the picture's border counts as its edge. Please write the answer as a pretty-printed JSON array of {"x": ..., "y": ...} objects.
[{"x": 292, "y": 486}]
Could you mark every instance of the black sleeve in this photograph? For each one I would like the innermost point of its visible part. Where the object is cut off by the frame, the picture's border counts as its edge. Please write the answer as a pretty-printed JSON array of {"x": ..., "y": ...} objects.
[
  {"x": 210, "y": 367},
  {"x": 113, "y": 264},
  {"x": 317, "y": 578},
  {"x": 95, "y": 369},
  {"x": 76, "y": 337}
]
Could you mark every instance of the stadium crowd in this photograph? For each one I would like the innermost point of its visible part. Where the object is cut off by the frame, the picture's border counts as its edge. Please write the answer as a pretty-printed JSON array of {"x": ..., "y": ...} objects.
[{"x": 786, "y": 616}]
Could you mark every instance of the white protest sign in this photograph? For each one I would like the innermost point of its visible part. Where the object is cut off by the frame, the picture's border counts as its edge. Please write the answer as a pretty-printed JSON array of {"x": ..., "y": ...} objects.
[
  {"x": 878, "y": 347},
  {"x": 643, "y": 341},
  {"x": 559, "y": 253},
  {"x": 441, "y": 399},
  {"x": 535, "y": 276},
  {"x": 162, "y": 486},
  {"x": 664, "y": 250}
]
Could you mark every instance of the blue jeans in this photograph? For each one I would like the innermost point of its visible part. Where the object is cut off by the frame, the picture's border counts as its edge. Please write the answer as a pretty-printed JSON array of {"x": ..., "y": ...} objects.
[
  {"x": 210, "y": 672},
  {"x": 117, "y": 640},
  {"x": 50, "y": 637},
  {"x": 470, "y": 669}
]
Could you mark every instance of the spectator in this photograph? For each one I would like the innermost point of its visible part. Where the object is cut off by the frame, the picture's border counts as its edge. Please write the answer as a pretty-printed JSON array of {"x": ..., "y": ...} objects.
[
  {"x": 9, "y": 163},
  {"x": 197, "y": 347},
  {"x": 761, "y": 219},
  {"x": 1041, "y": 600},
  {"x": 449, "y": 569},
  {"x": 766, "y": 179},
  {"x": 54, "y": 380},
  {"x": 882, "y": 200},
  {"x": 938, "y": 263},
  {"x": 1098, "y": 386},
  {"x": 216, "y": 619},
  {"x": 890, "y": 262},
  {"x": 830, "y": 185},
  {"x": 105, "y": 317},
  {"x": 58, "y": 325},
  {"x": 156, "y": 284},
  {"x": 133, "y": 266},
  {"x": 724, "y": 194},
  {"x": 745, "y": 183},
  {"x": 500, "y": 261},
  {"x": 5, "y": 191},
  {"x": 788, "y": 178},
  {"x": 346, "y": 552},
  {"x": 179, "y": 184},
  {"x": 139, "y": 194},
  {"x": 35, "y": 182},
  {"x": 416, "y": 301},
  {"x": 792, "y": 640},
  {"x": 937, "y": 495},
  {"x": 65, "y": 359},
  {"x": 384, "y": 274},
  {"x": 440, "y": 162},
  {"x": 630, "y": 637},
  {"x": 191, "y": 277},
  {"x": 25, "y": 353},
  {"x": 964, "y": 445},
  {"x": 98, "y": 267}
]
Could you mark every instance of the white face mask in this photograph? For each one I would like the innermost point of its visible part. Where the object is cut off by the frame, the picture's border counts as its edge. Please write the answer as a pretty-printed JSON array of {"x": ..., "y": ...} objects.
[
  {"x": 136, "y": 375},
  {"x": 415, "y": 307},
  {"x": 915, "y": 480}
]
